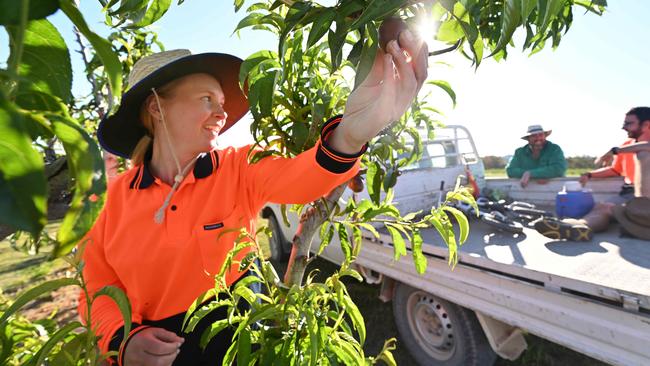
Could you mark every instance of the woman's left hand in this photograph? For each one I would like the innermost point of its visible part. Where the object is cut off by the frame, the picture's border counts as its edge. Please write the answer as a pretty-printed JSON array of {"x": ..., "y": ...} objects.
[{"x": 383, "y": 97}]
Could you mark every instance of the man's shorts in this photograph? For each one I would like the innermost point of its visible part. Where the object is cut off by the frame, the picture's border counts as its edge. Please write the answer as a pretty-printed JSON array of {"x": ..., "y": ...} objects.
[{"x": 626, "y": 194}]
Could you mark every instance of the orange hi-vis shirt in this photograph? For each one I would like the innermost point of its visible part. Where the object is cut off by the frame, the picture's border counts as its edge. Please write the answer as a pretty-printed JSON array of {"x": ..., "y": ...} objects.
[
  {"x": 624, "y": 163},
  {"x": 164, "y": 267}
]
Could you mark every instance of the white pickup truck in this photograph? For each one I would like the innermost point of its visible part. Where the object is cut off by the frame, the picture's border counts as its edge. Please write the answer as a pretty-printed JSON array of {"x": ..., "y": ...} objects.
[{"x": 592, "y": 297}]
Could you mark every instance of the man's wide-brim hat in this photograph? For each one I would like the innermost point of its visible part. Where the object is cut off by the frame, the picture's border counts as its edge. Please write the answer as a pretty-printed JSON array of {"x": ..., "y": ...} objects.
[
  {"x": 634, "y": 217},
  {"x": 535, "y": 129},
  {"x": 120, "y": 132}
]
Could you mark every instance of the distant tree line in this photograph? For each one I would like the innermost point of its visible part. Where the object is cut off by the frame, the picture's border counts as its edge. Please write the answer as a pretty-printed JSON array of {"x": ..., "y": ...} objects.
[{"x": 577, "y": 162}]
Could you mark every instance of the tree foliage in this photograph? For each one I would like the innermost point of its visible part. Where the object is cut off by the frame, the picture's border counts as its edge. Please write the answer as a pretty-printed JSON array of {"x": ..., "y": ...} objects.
[{"x": 292, "y": 89}]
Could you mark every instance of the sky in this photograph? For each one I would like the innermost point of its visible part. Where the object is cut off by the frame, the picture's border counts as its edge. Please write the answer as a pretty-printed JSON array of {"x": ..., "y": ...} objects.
[{"x": 581, "y": 91}]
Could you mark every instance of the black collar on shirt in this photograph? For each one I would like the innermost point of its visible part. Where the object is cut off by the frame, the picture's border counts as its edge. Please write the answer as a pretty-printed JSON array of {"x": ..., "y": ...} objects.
[{"x": 204, "y": 166}]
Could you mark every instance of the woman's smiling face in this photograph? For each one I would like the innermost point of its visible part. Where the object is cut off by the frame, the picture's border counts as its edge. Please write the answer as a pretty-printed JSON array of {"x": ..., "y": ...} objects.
[{"x": 194, "y": 113}]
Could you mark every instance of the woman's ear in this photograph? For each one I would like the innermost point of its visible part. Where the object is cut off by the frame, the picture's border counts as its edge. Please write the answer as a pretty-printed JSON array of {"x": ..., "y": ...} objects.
[{"x": 152, "y": 107}]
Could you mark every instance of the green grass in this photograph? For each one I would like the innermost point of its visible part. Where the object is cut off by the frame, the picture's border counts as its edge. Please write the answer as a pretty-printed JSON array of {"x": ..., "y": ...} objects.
[
  {"x": 501, "y": 173},
  {"x": 19, "y": 269}
]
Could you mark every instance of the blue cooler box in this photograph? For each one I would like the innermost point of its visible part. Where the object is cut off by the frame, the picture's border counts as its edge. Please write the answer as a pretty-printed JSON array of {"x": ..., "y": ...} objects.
[{"x": 573, "y": 204}]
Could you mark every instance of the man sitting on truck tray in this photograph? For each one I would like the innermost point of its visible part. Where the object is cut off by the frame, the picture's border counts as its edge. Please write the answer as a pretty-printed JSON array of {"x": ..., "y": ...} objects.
[
  {"x": 631, "y": 160},
  {"x": 539, "y": 159}
]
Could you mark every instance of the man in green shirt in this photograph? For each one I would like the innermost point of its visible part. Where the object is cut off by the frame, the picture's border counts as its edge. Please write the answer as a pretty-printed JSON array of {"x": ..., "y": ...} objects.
[{"x": 539, "y": 159}]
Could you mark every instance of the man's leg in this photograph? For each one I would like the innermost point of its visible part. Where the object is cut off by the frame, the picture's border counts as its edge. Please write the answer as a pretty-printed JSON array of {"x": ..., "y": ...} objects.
[{"x": 599, "y": 217}]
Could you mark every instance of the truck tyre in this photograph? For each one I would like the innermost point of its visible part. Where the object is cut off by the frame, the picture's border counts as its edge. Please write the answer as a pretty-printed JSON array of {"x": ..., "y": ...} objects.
[
  {"x": 277, "y": 242},
  {"x": 437, "y": 332}
]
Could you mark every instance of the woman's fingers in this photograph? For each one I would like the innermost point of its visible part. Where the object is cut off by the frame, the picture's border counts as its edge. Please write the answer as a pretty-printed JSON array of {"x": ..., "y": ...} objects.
[
  {"x": 165, "y": 335},
  {"x": 403, "y": 65},
  {"x": 419, "y": 55},
  {"x": 158, "y": 342}
]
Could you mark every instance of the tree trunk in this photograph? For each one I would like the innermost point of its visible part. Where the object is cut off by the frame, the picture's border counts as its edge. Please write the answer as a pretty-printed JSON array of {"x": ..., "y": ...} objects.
[{"x": 310, "y": 222}]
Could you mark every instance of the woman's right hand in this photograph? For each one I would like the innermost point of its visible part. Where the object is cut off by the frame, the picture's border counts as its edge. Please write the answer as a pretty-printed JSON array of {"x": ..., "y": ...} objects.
[{"x": 152, "y": 347}]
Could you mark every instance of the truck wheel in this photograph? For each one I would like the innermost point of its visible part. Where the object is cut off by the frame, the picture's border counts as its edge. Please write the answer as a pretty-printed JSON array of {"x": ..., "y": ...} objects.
[
  {"x": 277, "y": 243},
  {"x": 437, "y": 332}
]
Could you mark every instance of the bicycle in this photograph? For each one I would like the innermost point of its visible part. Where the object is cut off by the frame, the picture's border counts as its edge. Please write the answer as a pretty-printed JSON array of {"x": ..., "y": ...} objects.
[{"x": 511, "y": 217}]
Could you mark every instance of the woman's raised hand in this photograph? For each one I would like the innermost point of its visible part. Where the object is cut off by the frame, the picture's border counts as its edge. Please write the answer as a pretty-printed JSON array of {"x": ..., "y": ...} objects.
[{"x": 382, "y": 98}]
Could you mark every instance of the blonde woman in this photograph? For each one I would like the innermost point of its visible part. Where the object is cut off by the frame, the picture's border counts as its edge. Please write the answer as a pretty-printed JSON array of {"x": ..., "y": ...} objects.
[{"x": 160, "y": 236}]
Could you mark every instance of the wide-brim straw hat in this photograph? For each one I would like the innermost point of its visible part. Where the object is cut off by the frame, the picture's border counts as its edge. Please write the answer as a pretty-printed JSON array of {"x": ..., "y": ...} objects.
[
  {"x": 120, "y": 132},
  {"x": 634, "y": 217},
  {"x": 535, "y": 129}
]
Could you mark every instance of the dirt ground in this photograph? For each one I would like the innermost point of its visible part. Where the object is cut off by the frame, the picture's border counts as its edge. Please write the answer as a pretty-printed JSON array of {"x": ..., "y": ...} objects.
[{"x": 62, "y": 303}]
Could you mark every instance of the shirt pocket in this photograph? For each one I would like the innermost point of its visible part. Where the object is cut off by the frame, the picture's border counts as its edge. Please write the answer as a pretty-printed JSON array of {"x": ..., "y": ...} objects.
[{"x": 216, "y": 238}]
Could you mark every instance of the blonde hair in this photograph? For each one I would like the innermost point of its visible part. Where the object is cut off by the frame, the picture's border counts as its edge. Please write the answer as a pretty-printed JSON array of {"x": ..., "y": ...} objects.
[{"x": 147, "y": 120}]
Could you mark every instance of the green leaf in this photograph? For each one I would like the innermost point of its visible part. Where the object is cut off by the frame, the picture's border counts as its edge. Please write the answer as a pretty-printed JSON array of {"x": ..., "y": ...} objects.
[
  {"x": 357, "y": 319},
  {"x": 196, "y": 316},
  {"x": 375, "y": 10},
  {"x": 391, "y": 178},
  {"x": 248, "y": 21},
  {"x": 594, "y": 6},
  {"x": 231, "y": 353},
  {"x": 450, "y": 31},
  {"x": 128, "y": 7},
  {"x": 368, "y": 55},
  {"x": 320, "y": 26},
  {"x": 326, "y": 239},
  {"x": 356, "y": 240},
  {"x": 269, "y": 311},
  {"x": 246, "y": 293},
  {"x": 314, "y": 339},
  {"x": 198, "y": 301},
  {"x": 23, "y": 187},
  {"x": 10, "y": 10},
  {"x": 263, "y": 88},
  {"x": 446, "y": 87},
  {"x": 296, "y": 13},
  {"x": 553, "y": 8},
  {"x": 374, "y": 177},
  {"x": 253, "y": 62},
  {"x": 57, "y": 337},
  {"x": 244, "y": 348},
  {"x": 527, "y": 7},
  {"x": 347, "y": 353},
  {"x": 335, "y": 41},
  {"x": 352, "y": 273},
  {"x": 157, "y": 8},
  {"x": 388, "y": 210},
  {"x": 34, "y": 293},
  {"x": 209, "y": 333},
  {"x": 419, "y": 258},
  {"x": 87, "y": 168},
  {"x": 71, "y": 351},
  {"x": 111, "y": 62},
  {"x": 45, "y": 62},
  {"x": 345, "y": 241},
  {"x": 370, "y": 228},
  {"x": 122, "y": 302},
  {"x": 399, "y": 246},
  {"x": 510, "y": 20},
  {"x": 462, "y": 222}
]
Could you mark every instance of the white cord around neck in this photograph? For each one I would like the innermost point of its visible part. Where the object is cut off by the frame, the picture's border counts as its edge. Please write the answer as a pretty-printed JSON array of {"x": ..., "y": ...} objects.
[
  {"x": 159, "y": 217},
  {"x": 167, "y": 135}
]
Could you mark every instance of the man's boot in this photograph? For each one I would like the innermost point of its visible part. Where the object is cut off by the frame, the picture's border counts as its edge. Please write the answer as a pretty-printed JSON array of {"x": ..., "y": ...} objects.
[{"x": 569, "y": 229}]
